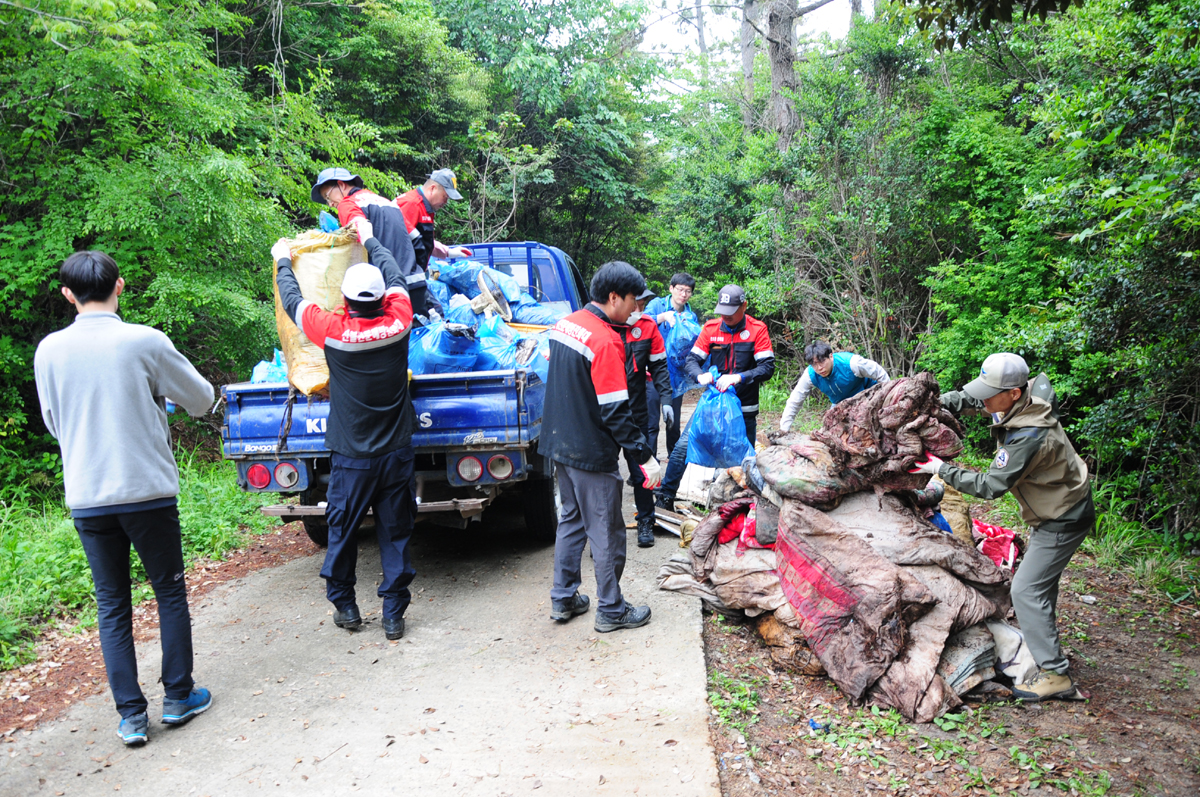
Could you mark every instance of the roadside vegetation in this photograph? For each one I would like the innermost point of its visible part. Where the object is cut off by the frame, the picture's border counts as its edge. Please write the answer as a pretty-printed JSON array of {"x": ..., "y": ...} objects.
[{"x": 44, "y": 575}]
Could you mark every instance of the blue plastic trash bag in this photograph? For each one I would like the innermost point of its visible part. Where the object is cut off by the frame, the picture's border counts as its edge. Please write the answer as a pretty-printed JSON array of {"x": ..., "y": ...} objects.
[
  {"x": 680, "y": 340},
  {"x": 463, "y": 277},
  {"x": 440, "y": 290},
  {"x": 528, "y": 311},
  {"x": 541, "y": 359},
  {"x": 462, "y": 314},
  {"x": 328, "y": 222},
  {"x": 717, "y": 435},
  {"x": 272, "y": 371},
  {"x": 444, "y": 348}
]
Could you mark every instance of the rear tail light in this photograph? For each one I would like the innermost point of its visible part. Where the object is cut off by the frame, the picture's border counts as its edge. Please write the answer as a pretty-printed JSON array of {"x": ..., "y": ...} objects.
[
  {"x": 500, "y": 467},
  {"x": 258, "y": 476},
  {"x": 286, "y": 474},
  {"x": 470, "y": 469}
]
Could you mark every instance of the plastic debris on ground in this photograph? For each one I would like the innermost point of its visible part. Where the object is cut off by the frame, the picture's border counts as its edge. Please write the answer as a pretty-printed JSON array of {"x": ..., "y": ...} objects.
[
  {"x": 270, "y": 371},
  {"x": 824, "y": 535}
]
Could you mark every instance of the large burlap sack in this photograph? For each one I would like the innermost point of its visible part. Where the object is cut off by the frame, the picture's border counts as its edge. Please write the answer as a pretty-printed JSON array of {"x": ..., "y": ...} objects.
[{"x": 319, "y": 260}]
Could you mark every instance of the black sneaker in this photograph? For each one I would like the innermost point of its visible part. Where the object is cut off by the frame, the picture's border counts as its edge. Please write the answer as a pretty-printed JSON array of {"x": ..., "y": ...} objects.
[
  {"x": 349, "y": 618},
  {"x": 633, "y": 617},
  {"x": 565, "y": 609},
  {"x": 133, "y": 730},
  {"x": 393, "y": 627},
  {"x": 646, "y": 533}
]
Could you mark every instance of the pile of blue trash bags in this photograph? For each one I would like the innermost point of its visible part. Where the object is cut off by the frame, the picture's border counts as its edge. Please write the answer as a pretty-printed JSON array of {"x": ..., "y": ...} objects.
[
  {"x": 461, "y": 278},
  {"x": 448, "y": 347}
]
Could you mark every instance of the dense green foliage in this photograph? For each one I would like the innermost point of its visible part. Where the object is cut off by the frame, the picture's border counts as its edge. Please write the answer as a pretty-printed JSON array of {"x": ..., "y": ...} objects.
[{"x": 1034, "y": 190}]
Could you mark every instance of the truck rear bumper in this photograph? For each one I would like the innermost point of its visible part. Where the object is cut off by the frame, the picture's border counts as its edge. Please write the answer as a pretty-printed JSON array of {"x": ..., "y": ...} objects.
[{"x": 463, "y": 507}]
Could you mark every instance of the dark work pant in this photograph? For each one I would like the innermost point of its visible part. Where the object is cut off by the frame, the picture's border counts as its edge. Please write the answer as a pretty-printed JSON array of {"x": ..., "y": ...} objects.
[
  {"x": 591, "y": 513},
  {"x": 1035, "y": 592},
  {"x": 677, "y": 464},
  {"x": 386, "y": 483},
  {"x": 654, "y": 400},
  {"x": 154, "y": 534},
  {"x": 643, "y": 497}
]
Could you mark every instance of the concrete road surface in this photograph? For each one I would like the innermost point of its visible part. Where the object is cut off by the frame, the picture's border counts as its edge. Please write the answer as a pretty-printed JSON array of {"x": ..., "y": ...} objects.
[{"x": 485, "y": 695}]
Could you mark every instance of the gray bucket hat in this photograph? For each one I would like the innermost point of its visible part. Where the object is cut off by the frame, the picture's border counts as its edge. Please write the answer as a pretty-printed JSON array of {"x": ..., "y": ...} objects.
[{"x": 333, "y": 175}]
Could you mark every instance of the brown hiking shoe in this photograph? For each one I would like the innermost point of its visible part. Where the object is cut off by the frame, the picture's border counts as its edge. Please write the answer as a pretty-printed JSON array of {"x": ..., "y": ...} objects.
[{"x": 1046, "y": 685}]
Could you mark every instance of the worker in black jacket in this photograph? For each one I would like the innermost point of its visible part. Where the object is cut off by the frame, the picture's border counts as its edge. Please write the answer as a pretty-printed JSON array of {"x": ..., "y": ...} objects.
[
  {"x": 370, "y": 425},
  {"x": 587, "y": 420},
  {"x": 645, "y": 359},
  {"x": 739, "y": 346}
]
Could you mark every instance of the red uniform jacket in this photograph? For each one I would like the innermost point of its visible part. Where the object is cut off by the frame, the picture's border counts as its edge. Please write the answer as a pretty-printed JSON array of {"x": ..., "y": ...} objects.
[{"x": 744, "y": 349}]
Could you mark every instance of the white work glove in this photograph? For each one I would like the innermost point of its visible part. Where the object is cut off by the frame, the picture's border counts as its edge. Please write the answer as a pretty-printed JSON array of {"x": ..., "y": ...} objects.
[
  {"x": 459, "y": 251},
  {"x": 364, "y": 229},
  {"x": 668, "y": 414},
  {"x": 667, "y": 318},
  {"x": 440, "y": 250},
  {"x": 931, "y": 465},
  {"x": 652, "y": 473},
  {"x": 282, "y": 250},
  {"x": 727, "y": 381},
  {"x": 704, "y": 379}
]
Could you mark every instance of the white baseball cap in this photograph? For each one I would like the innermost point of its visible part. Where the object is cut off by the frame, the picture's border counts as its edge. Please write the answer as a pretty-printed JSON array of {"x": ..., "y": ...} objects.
[
  {"x": 363, "y": 283},
  {"x": 1000, "y": 372}
]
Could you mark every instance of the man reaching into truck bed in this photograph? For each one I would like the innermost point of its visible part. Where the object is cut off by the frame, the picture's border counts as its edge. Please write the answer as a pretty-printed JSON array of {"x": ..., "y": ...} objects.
[{"x": 370, "y": 423}]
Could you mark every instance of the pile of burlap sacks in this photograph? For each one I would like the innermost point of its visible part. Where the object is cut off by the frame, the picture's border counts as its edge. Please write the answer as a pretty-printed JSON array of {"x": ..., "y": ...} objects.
[{"x": 827, "y": 551}]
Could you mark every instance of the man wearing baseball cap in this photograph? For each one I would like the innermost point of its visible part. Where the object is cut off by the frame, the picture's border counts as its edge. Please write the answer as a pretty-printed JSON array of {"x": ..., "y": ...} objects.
[
  {"x": 370, "y": 425},
  {"x": 340, "y": 189},
  {"x": 419, "y": 207},
  {"x": 739, "y": 346},
  {"x": 1036, "y": 463}
]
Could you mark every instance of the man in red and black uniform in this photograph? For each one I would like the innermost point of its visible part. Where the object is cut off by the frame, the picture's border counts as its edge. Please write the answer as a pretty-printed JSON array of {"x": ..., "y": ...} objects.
[
  {"x": 340, "y": 189},
  {"x": 370, "y": 425},
  {"x": 645, "y": 359},
  {"x": 587, "y": 420},
  {"x": 739, "y": 346},
  {"x": 419, "y": 207}
]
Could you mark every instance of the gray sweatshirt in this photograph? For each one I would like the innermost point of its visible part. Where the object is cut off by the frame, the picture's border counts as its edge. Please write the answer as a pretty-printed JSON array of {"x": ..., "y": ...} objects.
[{"x": 103, "y": 385}]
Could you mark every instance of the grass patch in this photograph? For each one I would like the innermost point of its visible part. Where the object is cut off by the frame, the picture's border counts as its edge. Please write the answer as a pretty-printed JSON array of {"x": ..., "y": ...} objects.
[{"x": 44, "y": 575}]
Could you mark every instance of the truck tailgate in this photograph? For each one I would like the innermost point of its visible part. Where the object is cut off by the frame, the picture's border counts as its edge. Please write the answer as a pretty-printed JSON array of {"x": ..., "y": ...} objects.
[{"x": 497, "y": 409}]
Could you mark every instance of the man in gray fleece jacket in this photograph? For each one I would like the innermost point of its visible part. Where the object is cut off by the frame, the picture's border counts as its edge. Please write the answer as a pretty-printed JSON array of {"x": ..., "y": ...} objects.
[{"x": 103, "y": 385}]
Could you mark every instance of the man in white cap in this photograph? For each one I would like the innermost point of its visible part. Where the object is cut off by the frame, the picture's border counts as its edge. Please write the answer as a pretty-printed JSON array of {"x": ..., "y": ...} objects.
[
  {"x": 370, "y": 425},
  {"x": 1036, "y": 463},
  {"x": 419, "y": 207}
]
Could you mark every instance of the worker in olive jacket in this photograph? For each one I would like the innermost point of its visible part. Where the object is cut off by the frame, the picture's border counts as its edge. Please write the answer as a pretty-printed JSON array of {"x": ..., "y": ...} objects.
[{"x": 1036, "y": 463}]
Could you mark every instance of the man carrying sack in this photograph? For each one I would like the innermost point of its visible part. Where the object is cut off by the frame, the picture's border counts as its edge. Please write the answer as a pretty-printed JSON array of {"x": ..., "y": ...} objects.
[{"x": 370, "y": 425}]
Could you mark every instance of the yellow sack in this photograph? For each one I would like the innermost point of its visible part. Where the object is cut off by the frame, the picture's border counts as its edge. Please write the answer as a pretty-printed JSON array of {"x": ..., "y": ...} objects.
[{"x": 319, "y": 260}]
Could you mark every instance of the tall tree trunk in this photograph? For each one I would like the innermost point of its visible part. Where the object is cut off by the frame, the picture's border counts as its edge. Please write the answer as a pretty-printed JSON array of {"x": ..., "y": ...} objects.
[
  {"x": 751, "y": 11},
  {"x": 781, "y": 23},
  {"x": 701, "y": 42},
  {"x": 855, "y": 11}
]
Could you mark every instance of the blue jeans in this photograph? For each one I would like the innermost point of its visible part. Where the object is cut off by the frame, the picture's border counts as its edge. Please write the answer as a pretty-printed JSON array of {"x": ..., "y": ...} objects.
[
  {"x": 677, "y": 464},
  {"x": 388, "y": 484},
  {"x": 154, "y": 534}
]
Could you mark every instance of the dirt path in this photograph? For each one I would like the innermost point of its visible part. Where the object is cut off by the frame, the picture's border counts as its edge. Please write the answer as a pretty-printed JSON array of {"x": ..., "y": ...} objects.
[
  {"x": 1139, "y": 733},
  {"x": 484, "y": 695}
]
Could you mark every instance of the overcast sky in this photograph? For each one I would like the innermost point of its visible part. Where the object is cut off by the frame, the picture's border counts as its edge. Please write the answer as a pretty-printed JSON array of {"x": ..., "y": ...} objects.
[{"x": 724, "y": 26}]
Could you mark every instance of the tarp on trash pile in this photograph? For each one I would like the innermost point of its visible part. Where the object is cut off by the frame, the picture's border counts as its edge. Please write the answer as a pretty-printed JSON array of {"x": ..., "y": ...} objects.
[
  {"x": 881, "y": 565},
  {"x": 867, "y": 442},
  {"x": 319, "y": 261}
]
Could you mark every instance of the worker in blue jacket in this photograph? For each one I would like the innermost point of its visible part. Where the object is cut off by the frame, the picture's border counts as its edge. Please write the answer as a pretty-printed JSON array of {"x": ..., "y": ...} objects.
[{"x": 839, "y": 376}]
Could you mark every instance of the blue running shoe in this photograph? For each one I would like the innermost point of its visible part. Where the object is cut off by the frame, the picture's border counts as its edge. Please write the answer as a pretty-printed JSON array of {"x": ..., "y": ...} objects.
[
  {"x": 132, "y": 730},
  {"x": 177, "y": 712}
]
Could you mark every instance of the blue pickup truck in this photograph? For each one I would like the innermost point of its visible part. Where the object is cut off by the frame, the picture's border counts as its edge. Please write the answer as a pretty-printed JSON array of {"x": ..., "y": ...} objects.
[{"x": 476, "y": 433}]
